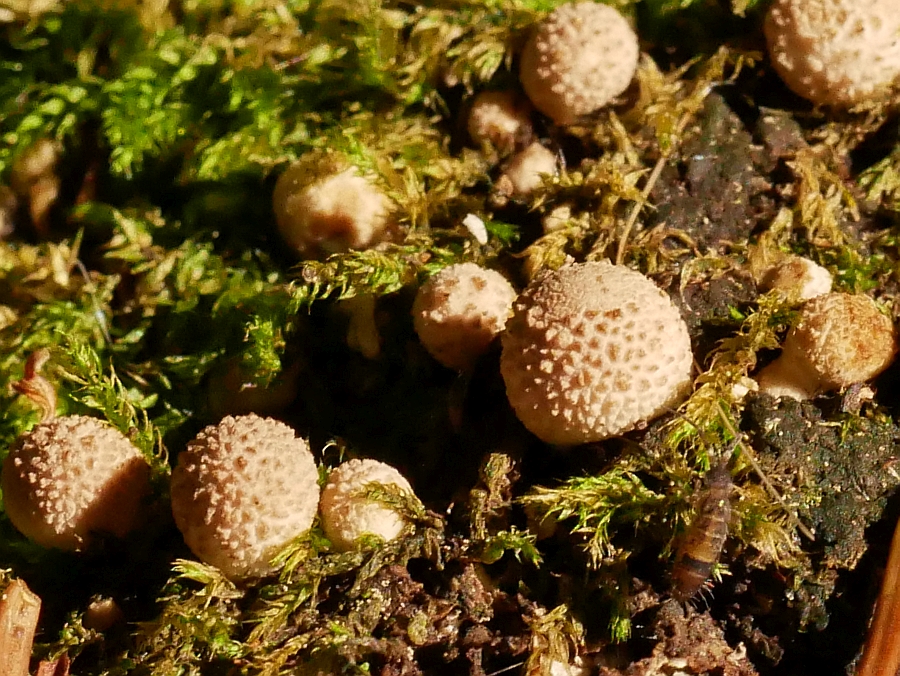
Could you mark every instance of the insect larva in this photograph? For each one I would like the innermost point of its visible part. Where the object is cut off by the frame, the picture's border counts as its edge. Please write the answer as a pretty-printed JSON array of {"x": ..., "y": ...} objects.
[{"x": 702, "y": 542}]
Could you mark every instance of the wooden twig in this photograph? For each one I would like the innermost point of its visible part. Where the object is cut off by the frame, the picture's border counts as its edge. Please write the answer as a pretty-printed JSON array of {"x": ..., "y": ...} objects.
[
  {"x": 881, "y": 654},
  {"x": 19, "y": 611}
]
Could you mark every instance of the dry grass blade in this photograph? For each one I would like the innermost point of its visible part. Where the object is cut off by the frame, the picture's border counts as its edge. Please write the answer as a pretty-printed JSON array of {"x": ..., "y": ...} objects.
[{"x": 19, "y": 611}]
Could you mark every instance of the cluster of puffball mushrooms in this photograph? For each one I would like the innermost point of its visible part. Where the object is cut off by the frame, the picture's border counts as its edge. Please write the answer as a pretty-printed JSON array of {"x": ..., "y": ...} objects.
[
  {"x": 579, "y": 59},
  {"x": 241, "y": 491},
  {"x": 589, "y": 351}
]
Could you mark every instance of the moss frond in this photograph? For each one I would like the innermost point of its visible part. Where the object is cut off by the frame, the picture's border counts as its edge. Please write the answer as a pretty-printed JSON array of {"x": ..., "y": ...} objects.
[
  {"x": 731, "y": 362},
  {"x": 198, "y": 623},
  {"x": 599, "y": 506},
  {"x": 374, "y": 271},
  {"x": 556, "y": 636}
]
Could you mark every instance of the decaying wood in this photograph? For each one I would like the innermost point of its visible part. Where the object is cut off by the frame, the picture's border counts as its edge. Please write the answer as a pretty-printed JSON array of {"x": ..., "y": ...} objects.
[
  {"x": 19, "y": 611},
  {"x": 881, "y": 655}
]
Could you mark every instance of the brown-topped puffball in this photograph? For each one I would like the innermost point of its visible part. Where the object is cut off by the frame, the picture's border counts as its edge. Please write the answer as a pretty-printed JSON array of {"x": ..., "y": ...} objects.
[
  {"x": 578, "y": 59},
  {"x": 525, "y": 171},
  {"x": 837, "y": 340},
  {"x": 499, "y": 122},
  {"x": 593, "y": 350},
  {"x": 346, "y": 512},
  {"x": 324, "y": 206},
  {"x": 797, "y": 278},
  {"x": 459, "y": 311},
  {"x": 241, "y": 491},
  {"x": 835, "y": 52},
  {"x": 73, "y": 476}
]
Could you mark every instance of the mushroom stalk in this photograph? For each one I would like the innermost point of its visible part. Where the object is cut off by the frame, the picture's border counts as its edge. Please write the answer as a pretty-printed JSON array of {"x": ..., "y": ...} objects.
[{"x": 790, "y": 376}]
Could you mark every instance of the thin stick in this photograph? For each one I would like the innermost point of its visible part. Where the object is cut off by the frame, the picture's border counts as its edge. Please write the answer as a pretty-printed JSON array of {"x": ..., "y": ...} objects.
[
  {"x": 648, "y": 187},
  {"x": 773, "y": 492},
  {"x": 881, "y": 654},
  {"x": 636, "y": 208},
  {"x": 19, "y": 611}
]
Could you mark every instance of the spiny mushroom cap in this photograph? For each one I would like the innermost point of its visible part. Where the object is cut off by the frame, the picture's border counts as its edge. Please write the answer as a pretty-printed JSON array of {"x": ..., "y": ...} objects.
[
  {"x": 500, "y": 119},
  {"x": 526, "y": 171},
  {"x": 836, "y": 52},
  {"x": 458, "y": 311},
  {"x": 593, "y": 350},
  {"x": 328, "y": 214},
  {"x": 838, "y": 339},
  {"x": 577, "y": 60},
  {"x": 70, "y": 477},
  {"x": 347, "y": 513},
  {"x": 241, "y": 491}
]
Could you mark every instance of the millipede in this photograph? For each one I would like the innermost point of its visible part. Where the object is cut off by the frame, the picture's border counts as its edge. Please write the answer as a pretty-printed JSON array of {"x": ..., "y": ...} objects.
[{"x": 701, "y": 544}]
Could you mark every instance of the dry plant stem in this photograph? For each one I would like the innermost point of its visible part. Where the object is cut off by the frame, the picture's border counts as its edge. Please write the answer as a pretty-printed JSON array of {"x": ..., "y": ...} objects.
[
  {"x": 36, "y": 387},
  {"x": 57, "y": 667},
  {"x": 748, "y": 454},
  {"x": 881, "y": 653},
  {"x": 19, "y": 611},
  {"x": 645, "y": 193}
]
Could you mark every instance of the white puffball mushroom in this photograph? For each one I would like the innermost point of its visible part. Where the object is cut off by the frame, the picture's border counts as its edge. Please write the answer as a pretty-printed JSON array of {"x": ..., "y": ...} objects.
[
  {"x": 241, "y": 491},
  {"x": 347, "y": 514},
  {"x": 594, "y": 350},
  {"x": 835, "y": 52},
  {"x": 329, "y": 212},
  {"x": 459, "y": 311},
  {"x": 798, "y": 278},
  {"x": 578, "y": 59},
  {"x": 73, "y": 476},
  {"x": 837, "y": 340},
  {"x": 499, "y": 121},
  {"x": 525, "y": 171}
]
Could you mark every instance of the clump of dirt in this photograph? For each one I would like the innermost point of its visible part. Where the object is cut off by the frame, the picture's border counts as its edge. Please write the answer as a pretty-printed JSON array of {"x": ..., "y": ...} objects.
[
  {"x": 839, "y": 466},
  {"x": 686, "y": 642},
  {"x": 718, "y": 192}
]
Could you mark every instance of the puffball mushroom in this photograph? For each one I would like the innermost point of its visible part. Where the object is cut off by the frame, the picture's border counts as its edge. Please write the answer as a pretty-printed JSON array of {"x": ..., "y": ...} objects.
[
  {"x": 525, "y": 171},
  {"x": 798, "y": 278},
  {"x": 593, "y": 350},
  {"x": 459, "y": 311},
  {"x": 347, "y": 514},
  {"x": 835, "y": 52},
  {"x": 577, "y": 60},
  {"x": 499, "y": 121},
  {"x": 324, "y": 207},
  {"x": 70, "y": 477},
  {"x": 838, "y": 339},
  {"x": 241, "y": 491}
]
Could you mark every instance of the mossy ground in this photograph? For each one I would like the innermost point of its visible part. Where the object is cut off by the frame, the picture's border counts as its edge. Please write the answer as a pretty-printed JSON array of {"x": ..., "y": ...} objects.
[{"x": 157, "y": 280}]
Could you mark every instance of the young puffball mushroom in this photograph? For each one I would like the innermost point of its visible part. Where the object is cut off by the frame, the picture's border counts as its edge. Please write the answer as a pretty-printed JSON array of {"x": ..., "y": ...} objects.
[
  {"x": 525, "y": 172},
  {"x": 241, "y": 491},
  {"x": 73, "y": 476},
  {"x": 347, "y": 514},
  {"x": 838, "y": 339},
  {"x": 797, "y": 277},
  {"x": 577, "y": 60},
  {"x": 324, "y": 206},
  {"x": 593, "y": 350},
  {"x": 499, "y": 121},
  {"x": 835, "y": 52},
  {"x": 459, "y": 311}
]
